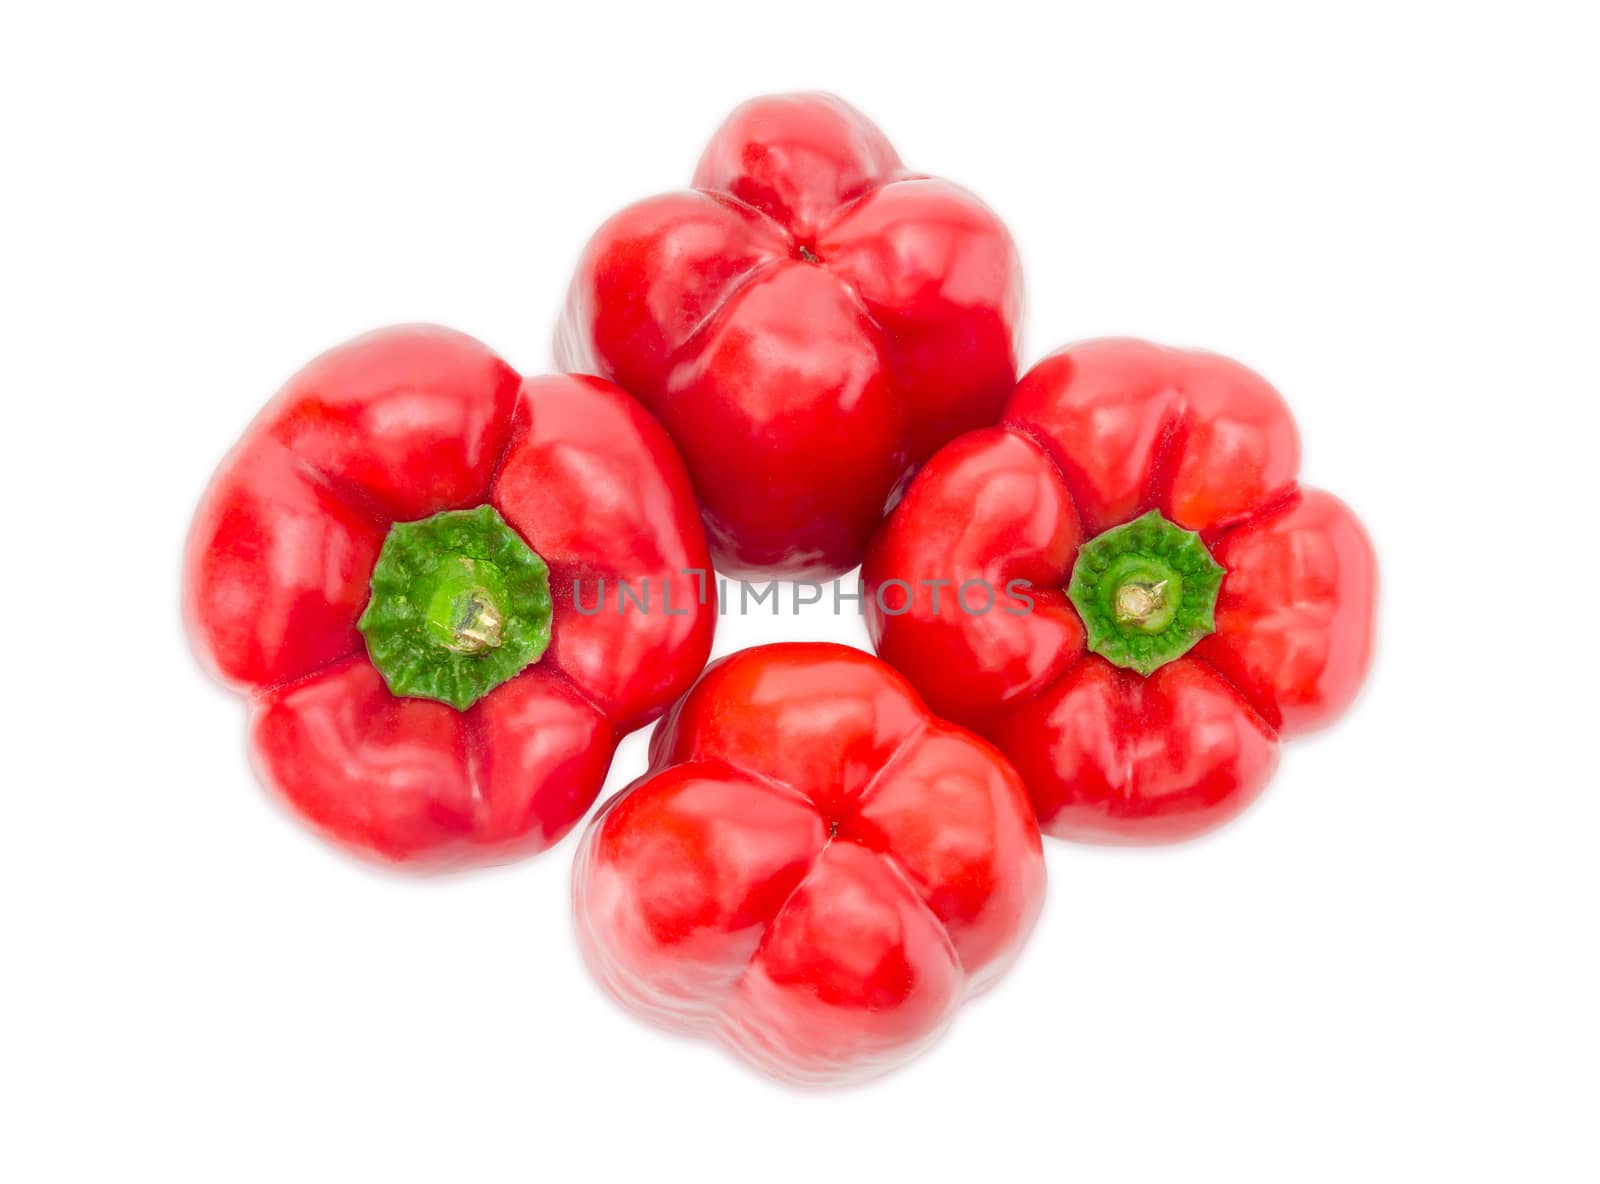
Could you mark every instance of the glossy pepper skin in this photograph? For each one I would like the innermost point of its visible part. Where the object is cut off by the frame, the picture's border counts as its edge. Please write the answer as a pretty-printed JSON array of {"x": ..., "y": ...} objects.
[
  {"x": 815, "y": 870},
  {"x": 394, "y": 427},
  {"x": 810, "y": 321},
  {"x": 1094, "y": 437}
]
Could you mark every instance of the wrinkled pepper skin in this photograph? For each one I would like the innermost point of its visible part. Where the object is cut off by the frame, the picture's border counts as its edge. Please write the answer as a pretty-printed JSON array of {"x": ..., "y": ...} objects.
[
  {"x": 815, "y": 870},
  {"x": 810, "y": 322},
  {"x": 1093, "y": 437},
  {"x": 396, "y": 426}
]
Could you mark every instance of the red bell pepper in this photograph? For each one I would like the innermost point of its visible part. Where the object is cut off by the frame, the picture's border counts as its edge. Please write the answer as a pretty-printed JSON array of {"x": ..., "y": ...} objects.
[
  {"x": 815, "y": 870},
  {"x": 810, "y": 321},
  {"x": 1183, "y": 602},
  {"x": 386, "y": 566}
]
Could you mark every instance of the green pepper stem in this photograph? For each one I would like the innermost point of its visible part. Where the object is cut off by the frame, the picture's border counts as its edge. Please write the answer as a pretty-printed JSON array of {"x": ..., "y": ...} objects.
[
  {"x": 459, "y": 605},
  {"x": 464, "y": 613},
  {"x": 1146, "y": 592}
]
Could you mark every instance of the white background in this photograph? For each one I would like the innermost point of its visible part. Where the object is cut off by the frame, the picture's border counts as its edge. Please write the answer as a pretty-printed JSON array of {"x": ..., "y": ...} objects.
[{"x": 1385, "y": 970}]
